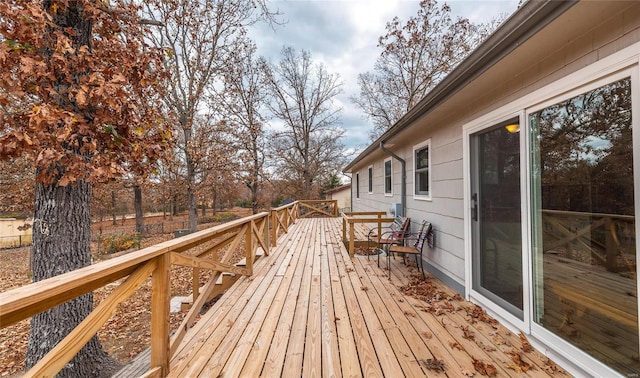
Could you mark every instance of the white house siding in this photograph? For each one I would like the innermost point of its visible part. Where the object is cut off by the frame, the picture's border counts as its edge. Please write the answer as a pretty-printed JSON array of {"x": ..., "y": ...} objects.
[
  {"x": 580, "y": 44},
  {"x": 444, "y": 210},
  {"x": 500, "y": 85}
]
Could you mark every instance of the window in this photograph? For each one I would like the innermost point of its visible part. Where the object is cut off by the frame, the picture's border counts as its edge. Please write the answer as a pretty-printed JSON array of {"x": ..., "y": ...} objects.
[
  {"x": 357, "y": 185},
  {"x": 387, "y": 177},
  {"x": 371, "y": 179},
  {"x": 422, "y": 169}
]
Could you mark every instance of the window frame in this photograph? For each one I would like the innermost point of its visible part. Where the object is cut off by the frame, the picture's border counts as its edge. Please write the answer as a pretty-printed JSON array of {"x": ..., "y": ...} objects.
[
  {"x": 370, "y": 172},
  {"x": 357, "y": 185},
  {"x": 388, "y": 191},
  {"x": 420, "y": 196}
]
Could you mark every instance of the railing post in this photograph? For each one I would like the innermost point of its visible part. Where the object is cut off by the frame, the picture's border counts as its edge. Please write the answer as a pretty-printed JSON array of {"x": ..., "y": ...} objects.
[
  {"x": 286, "y": 219},
  {"x": 195, "y": 283},
  {"x": 160, "y": 297},
  {"x": 248, "y": 246},
  {"x": 352, "y": 241},
  {"x": 274, "y": 228},
  {"x": 265, "y": 233}
]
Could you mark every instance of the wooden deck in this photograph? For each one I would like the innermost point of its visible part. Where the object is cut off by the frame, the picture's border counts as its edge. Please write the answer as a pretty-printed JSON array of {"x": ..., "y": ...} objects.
[{"x": 310, "y": 310}]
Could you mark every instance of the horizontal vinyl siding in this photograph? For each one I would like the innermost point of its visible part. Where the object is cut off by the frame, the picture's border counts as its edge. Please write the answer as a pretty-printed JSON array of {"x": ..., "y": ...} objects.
[
  {"x": 444, "y": 210},
  {"x": 377, "y": 201}
]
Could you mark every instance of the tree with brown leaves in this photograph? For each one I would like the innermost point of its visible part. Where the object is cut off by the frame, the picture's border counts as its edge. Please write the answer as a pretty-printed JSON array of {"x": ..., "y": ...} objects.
[
  {"x": 415, "y": 57},
  {"x": 77, "y": 95},
  {"x": 244, "y": 99}
]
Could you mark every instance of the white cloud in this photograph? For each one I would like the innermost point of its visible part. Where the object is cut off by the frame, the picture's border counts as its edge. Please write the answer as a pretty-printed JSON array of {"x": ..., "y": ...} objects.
[{"x": 343, "y": 35}]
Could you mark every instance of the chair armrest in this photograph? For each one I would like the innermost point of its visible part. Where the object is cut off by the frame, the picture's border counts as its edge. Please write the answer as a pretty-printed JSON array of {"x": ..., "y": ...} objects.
[{"x": 376, "y": 230}]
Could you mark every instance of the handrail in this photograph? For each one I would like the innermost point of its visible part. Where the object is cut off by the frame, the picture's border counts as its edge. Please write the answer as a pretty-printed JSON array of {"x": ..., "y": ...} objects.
[
  {"x": 361, "y": 217},
  {"x": 23, "y": 302},
  {"x": 281, "y": 217},
  {"x": 284, "y": 216},
  {"x": 327, "y": 208}
]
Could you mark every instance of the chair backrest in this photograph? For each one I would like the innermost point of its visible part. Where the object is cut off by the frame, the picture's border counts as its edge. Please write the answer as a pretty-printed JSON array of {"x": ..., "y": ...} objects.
[
  {"x": 401, "y": 228},
  {"x": 425, "y": 228}
]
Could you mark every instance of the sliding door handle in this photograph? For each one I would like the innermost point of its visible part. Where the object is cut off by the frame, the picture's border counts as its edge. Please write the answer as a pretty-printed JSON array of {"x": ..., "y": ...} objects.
[{"x": 474, "y": 207}]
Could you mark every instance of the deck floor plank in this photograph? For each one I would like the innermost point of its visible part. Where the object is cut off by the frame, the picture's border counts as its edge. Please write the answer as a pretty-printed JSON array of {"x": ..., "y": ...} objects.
[
  {"x": 274, "y": 361},
  {"x": 369, "y": 362},
  {"x": 330, "y": 349},
  {"x": 348, "y": 354},
  {"x": 436, "y": 339},
  {"x": 224, "y": 319},
  {"x": 408, "y": 345},
  {"x": 266, "y": 338},
  {"x": 311, "y": 310}
]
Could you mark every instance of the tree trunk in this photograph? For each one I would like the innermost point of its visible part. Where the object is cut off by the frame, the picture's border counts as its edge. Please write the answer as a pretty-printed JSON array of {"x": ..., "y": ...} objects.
[
  {"x": 193, "y": 210},
  {"x": 254, "y": 198},
  {"x": 215, "y": 200},
  {"x": 174, "y": 208},
  {"x": 113, "y": 207},
  {"x": 137, "y": 194},
  {"x": 61, "y": 243}
]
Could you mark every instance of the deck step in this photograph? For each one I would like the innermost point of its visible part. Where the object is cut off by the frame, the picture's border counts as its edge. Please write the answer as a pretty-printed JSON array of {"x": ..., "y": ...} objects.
[{"x": 243, "y": 262}]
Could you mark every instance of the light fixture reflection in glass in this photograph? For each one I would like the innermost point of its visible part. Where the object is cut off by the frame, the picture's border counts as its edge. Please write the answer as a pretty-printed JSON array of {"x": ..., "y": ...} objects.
[{"x": 513, "y": 128}]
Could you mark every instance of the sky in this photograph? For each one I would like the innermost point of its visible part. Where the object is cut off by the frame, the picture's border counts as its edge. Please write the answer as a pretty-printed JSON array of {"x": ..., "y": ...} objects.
[{"x": 343, "y": 36}]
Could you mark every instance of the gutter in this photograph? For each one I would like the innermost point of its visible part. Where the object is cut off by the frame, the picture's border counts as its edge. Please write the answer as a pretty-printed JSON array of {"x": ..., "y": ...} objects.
[
  {"x": 532, "y": 17},
  {"x": 403, "y": 189}
]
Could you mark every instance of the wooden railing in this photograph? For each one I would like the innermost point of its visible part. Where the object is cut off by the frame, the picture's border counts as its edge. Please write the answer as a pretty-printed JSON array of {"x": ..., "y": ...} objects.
[
  {"x": 284, "y": 216},
  {"x": 281, "y": 218},
  {"x": 250, "y": 233},
  {"x": 210, "y": 249},
  {"x": 353, "y": 218},
  {"x": 311, "y": 208}
]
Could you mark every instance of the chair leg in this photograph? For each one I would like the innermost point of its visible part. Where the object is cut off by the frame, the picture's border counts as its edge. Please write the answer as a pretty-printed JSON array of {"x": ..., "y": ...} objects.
[{"x": 421, "y": 266}]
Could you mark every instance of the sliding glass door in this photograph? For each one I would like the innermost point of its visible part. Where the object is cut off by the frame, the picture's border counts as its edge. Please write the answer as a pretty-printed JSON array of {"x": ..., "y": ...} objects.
[
  {"x": 583, "y": 224},
  {"x": 496, "y": 216}
]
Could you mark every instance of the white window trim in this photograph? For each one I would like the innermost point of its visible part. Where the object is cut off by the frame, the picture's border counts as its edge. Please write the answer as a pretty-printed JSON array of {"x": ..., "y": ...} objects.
[
  {"x": 370, "y": 178},
  {"x": 421, "y": 145},
  {"x": 384, "y": 174}
]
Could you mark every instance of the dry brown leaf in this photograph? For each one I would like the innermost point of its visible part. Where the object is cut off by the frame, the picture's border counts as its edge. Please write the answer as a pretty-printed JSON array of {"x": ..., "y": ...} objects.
[
  {"x": 484, "y": 368},
  {"x": 467, "y": 334},
  {"x": 519, "y": 364},
  {"x": 455, "y": 345},
  {"x": 486, "y": 348},
  {"x": 526, "y": 346},
  {"x": 433, "y": 364}
]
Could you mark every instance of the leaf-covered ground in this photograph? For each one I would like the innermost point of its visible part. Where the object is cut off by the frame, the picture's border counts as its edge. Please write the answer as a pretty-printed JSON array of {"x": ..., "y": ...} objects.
[{"x": 125, "y": 335}]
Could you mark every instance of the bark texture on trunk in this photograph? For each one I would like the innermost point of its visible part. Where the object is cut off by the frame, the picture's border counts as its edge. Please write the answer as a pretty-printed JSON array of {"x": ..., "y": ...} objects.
[
  {"x": 193, "y": 210},
  {"x": 61, "y": 243},
  {"x": 137, "y": 190}
]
